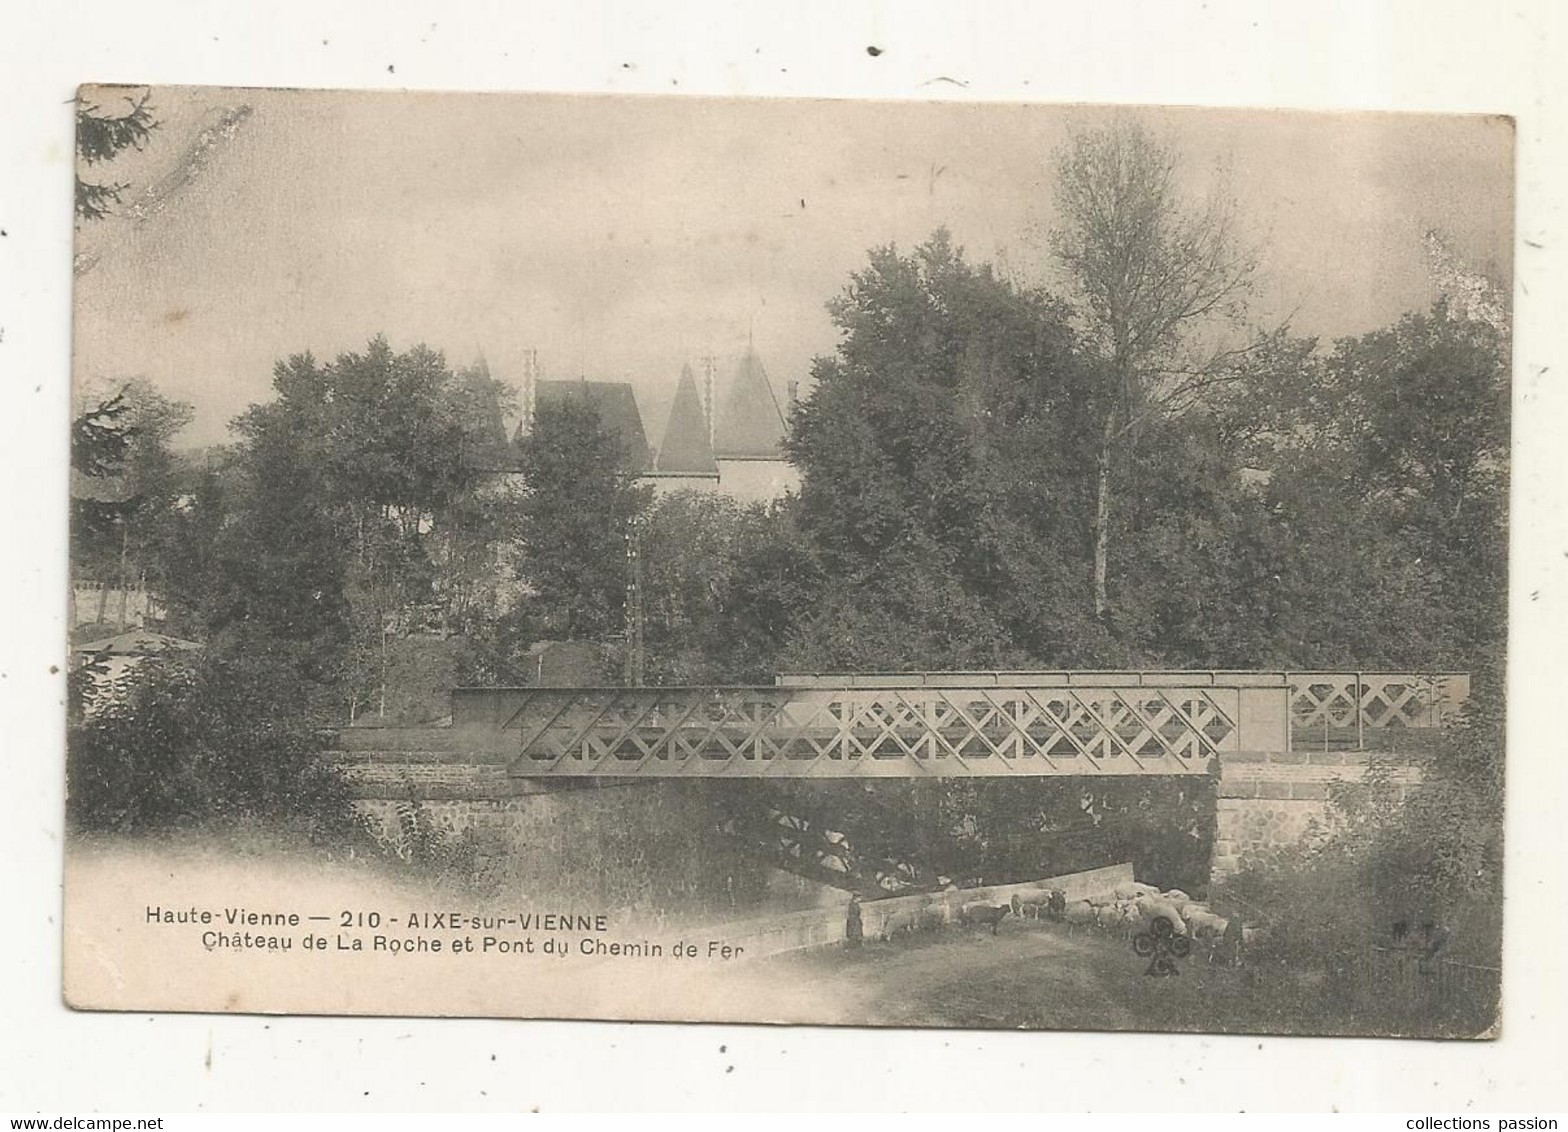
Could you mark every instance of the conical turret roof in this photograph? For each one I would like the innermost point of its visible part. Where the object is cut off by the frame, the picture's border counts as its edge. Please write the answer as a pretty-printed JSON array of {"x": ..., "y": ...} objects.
[
  {"x": 487, "y": 446},
  {"x": 751, "y": 423},
  {"x": 685, "y": 447}
]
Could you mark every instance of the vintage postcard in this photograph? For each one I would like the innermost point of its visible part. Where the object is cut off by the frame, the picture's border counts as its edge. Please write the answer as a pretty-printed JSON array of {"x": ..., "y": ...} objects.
[{"x": 788, "y": 561}]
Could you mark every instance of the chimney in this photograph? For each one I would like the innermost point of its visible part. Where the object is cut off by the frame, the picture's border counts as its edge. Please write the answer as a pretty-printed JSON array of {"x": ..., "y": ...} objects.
[
  {"x": 794, "y": 393},
  {"x": 707, "y": 396},
  {"x": 530, "y": 390}
]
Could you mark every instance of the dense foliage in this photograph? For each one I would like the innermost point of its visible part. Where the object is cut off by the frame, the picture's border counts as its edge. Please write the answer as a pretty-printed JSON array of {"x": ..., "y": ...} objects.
[
  {"x": 174, "y": 743},
  {"x": 355, "y": 510},
  {"x": 720, "y": 579},
  {"x": 577, "y": 509},
  {"x": 941, "y": 454},
  {"x": 1388, "y": 460}
]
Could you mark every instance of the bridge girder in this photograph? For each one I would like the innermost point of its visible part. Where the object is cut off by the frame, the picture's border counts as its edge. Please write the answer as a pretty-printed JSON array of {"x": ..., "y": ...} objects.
[{"x": 910, "y": 732}]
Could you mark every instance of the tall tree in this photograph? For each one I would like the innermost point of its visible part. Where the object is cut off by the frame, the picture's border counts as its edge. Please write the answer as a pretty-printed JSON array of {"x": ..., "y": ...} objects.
[
  {"x": 577, "y": 508},
  {"x": 130, "y": 482},
  {"x": 941, "y": 454},
  {"x": 1388, "y": 461},
  {"x": 1151, "y": 270},
  {"x": 473, "y": 569},
  {"x": 132, "y": 424},
  {"x": 345, "y": 519},
  {"x": 264, "y": 569}
]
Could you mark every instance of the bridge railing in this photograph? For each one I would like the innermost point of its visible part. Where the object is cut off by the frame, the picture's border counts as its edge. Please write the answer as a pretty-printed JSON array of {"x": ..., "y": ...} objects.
[
  {"x": 902, "y": 731},
  {"x": 1332, "y": 709},
  {"x": 1038, "y": 678},
  {"x": 1377, "y": 699}
]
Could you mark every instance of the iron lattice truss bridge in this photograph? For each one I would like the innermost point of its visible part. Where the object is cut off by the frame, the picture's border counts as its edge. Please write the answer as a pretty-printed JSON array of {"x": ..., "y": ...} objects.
[
  {"x": 792, "y": 731},
  {"x": 1359, "y": 701}
]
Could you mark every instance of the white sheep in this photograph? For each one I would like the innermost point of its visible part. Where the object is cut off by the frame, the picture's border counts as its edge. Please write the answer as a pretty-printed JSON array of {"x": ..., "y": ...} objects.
[
  {"x": 1177, "y": 899},
  {"x": 1033, "y": 901},
  {"x": 1207, "y": 928},
  {"x": 1156, "y": 907},
  {"x": 1132, "y": 889},
  {"x": 1079, "y": 913},
  {"x": 901, "y": 923},
  {"x": 1032, "y": 895},
  {"x": 1132, "y": 919}
]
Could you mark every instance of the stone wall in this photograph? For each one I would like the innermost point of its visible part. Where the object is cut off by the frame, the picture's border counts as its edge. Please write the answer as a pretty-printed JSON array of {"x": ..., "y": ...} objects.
[
  {"x": 440, "y": 799},
  {"x": 445, "y": 772},
  {"x": 825, "y": 927},
  {"x": 1269, "y": 801}
]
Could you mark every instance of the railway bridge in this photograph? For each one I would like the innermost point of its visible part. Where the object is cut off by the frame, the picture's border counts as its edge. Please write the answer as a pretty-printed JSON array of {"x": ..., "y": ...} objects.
[{"x": 1276, "y": 741}]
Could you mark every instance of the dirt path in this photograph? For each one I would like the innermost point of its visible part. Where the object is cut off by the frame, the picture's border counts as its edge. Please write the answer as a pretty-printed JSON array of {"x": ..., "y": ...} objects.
[{"x": 1029, "y": 975}]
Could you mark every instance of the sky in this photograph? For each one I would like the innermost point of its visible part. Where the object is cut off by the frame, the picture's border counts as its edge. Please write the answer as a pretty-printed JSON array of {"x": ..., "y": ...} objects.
[{"x": 621, "y": 237}]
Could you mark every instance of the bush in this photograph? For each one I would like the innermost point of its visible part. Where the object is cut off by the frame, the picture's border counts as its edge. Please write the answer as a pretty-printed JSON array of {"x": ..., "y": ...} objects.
[
  {"x": 1386, "y": 858},
  {"x": 174, "y": 743}
]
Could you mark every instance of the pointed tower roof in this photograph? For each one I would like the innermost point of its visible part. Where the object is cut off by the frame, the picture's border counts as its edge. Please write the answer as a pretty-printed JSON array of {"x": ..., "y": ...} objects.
[
  {"x": 488, "y": 448},
  {"x": 750, "y": 424},
  {"x": 685, "y": 448}
]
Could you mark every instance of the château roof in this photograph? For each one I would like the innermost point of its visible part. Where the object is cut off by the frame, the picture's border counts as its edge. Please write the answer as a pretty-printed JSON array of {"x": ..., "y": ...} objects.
[
  {"x": 750, "y": 424},
  {"x": 617, "y": 406},
  {"x": 686, "y": 448}
]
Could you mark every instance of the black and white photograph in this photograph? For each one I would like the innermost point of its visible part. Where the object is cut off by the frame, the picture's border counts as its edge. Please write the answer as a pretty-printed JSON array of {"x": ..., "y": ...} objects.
[{"x": 994, "y": 565}]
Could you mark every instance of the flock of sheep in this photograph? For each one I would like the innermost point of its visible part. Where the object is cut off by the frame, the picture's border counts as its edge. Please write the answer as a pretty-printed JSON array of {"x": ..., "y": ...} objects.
[{"x": 1132, "y": 908}]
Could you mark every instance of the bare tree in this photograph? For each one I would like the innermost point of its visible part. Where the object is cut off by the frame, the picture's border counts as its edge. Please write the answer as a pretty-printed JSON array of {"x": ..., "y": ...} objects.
[{"x": 1151, "y": 270}]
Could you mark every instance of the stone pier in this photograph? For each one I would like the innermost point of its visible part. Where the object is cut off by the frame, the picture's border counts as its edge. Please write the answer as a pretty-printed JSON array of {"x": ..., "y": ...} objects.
[{"x": 1271, "y": 800}]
